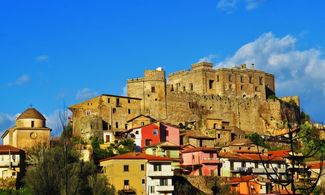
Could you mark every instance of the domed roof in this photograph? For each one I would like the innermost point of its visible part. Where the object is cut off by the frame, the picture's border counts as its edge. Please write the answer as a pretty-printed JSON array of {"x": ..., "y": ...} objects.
[{"x": 31, "y": 113}]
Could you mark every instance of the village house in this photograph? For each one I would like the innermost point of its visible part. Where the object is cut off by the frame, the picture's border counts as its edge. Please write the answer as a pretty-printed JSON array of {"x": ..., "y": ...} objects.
[
  {"x": 139, "y": 173},
  {"x": 11, "y": 165},
  {"x": 200, "y": 161}
]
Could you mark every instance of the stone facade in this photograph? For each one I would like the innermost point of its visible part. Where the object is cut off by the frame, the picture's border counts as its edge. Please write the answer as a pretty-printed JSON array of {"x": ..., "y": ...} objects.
[
  {"x": 30, "y": 130},
  {"x": 205, "y": 97}
]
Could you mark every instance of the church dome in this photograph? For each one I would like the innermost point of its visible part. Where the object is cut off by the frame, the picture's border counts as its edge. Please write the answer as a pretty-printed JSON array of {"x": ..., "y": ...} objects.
[{"x": 31, "y": 113}]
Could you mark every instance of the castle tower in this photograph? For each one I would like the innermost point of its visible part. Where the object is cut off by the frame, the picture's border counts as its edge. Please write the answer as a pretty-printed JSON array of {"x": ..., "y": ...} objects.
[
  {"x": 152, "y": 90},
  {"x": 30, "y": 129}
]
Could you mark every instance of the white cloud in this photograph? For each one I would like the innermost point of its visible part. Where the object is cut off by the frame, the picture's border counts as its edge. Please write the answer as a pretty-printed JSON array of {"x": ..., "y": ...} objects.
[
  {"x": 209, "y": 58},
  {"x": 125, "y": 90},
  {"x": 42, "y": 58},
  {"x": 56, "y": 120},
  {"x": 279, "y": 55},
  {"x": 230, "y": 5},
  {"x": 6, "y": 121},
  {"x": 20, "y": 81},
  {"x": 252, "y": 4},
  {"x": 85, "y": 93}
]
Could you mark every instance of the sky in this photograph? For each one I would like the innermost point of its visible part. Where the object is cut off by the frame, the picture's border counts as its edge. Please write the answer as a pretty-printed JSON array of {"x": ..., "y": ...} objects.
[{"x": 58, "y": 53}]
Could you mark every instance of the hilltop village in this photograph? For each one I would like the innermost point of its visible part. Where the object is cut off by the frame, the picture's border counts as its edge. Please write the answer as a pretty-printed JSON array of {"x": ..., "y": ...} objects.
[{"x": 194, "y": 124}]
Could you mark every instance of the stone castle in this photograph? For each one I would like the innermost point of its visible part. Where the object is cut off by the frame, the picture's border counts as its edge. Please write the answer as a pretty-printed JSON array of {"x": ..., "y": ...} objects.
[{"x": 201, "y": 98}]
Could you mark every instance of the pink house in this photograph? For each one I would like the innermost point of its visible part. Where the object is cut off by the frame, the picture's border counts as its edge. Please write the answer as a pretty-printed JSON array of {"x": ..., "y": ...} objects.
[
  {"x": 169, "y": 133},
  {"x": 200, "y": 161}
]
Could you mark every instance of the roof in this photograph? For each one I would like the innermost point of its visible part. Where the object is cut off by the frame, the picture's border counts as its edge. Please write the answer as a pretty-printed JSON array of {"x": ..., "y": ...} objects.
[
  {"x": 279, "y": 153},
  {"x": 137, "y": 155},
  {"x": 119, "y": 96},
  {"x": 203, "y": 149},
  {"x": 241, "y": 179},
  {"x": 5, "y": 149},
  {"x": 196, "y": 134},
  {"x": 317, "y": 165},
  {"x": 250, "y": 157},
  {"x": 5, "y": 133},
  {"x": 164, "y": 145},
  {"x": 152, "y": 119},
  {"x": 31, "y": 113}
]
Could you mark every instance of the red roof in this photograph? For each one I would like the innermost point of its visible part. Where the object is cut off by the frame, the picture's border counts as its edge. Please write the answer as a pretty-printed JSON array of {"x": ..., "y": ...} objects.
[
  {"x": 317, "y": 165},
  {"x": 4, "y": 149},
  {"x": 241, "y": 179},
  {"x": 279, "y": 153},
  {"x": 137, "y": 155},
  {"x": 250, "y": 157}
]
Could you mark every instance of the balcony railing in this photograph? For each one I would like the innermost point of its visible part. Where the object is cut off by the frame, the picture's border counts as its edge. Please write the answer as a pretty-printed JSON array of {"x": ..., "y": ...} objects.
[
  {"x": 7, "y": 164},
  {"x": 160, "y": 173},
  {"x": 269, "y": 170},
  {"x": 164, "y": 188},
  {"x": 242, "y": 170}
]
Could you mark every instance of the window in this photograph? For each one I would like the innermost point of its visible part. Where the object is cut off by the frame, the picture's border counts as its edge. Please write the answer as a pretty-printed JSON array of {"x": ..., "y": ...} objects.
[
  {"x": 108, "y": 138},
  {"x": 136, "y": 132},
  {"x": 142, "y": 167},
  {"x": 108, "y": 100},
  {"x": 261, "y": 80},
  {"x": 142, "y": 123},
  {"x": 152, "y": 189},
  {"x": 143, "y": 181},
  {"x": 126, "y": 168},
  {"x": 116, "y": 124},
  {"x": 231, "y": 165},
  {"x": 256, "y": 165},
  {"x": 157, "y": 167},
  {"x": 239, "y": 148},
  {"x": 118, "y": 102},
  {"x": 211, "y": 84},
  {"x": 243, "y": 164},
  {"x": 129, "y": 101},
  {"x": 172, "y": 88},
  {"x": 126, "y": 184},
  {"x": 191, "y": 86},
  {"x": 211, "y": 155},
  {"x": 167, "y": 133},
  {"x": 241, "y": 79},
  {"x": 126, "y": 126},
  {"x": 155, "y": 132},
  {"x": 184, "y": 88},
  {"x": 164, "y": 182},
  {"x": 148, "y": 142},
  {"x": 229, "y": 78},
  {"x": 267, "y": 165},
  {"x": 32, "y": 125},
  {"x": 129, "y": 111},
  {"x": 214, "y": 125},
  {"x": 242, "y": 87},
  {"x": 114, "y": 110},
  {"x": 217, "y": 78},
  {"x": 153, "y": 89},
  {"x": 219, "y": 136}
]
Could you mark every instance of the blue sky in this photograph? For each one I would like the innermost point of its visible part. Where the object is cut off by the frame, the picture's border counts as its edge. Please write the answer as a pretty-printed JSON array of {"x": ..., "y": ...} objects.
[{"x": 56, "y": 53}]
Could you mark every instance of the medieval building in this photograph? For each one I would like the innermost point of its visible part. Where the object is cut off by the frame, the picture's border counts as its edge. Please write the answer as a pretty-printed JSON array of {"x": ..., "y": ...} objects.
[
  {"x": 30, "y": 129},
  {"x": 203, "y": 98}
]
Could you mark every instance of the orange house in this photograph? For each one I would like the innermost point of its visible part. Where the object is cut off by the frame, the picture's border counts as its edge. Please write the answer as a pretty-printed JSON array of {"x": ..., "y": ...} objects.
[{"x": 247, "y": 185}]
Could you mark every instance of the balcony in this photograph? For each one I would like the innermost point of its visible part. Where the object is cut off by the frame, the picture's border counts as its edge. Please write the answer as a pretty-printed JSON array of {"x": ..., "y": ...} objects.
[
  {"x": 7, "y": 164},
  {"x": 160, "y": 173},
  {"x": 209, "y": 160},
  {"x": 243, "y": 170},
  {"x": 269, "y": 170},
  {"x": 164, "y": 188}
]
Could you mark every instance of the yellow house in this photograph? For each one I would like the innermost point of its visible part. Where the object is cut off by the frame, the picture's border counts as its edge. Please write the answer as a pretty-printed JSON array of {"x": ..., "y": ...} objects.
[
  {"x": 30, "y": 129},
  {"x": 139, "y": 173}
]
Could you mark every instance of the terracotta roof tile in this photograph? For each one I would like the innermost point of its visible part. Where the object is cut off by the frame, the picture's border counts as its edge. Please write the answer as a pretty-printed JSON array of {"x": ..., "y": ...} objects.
[
  {"x": 137, "y": 155},
  {"x": 4, "y": 149},
  {"x": 31, "y": 113}
]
